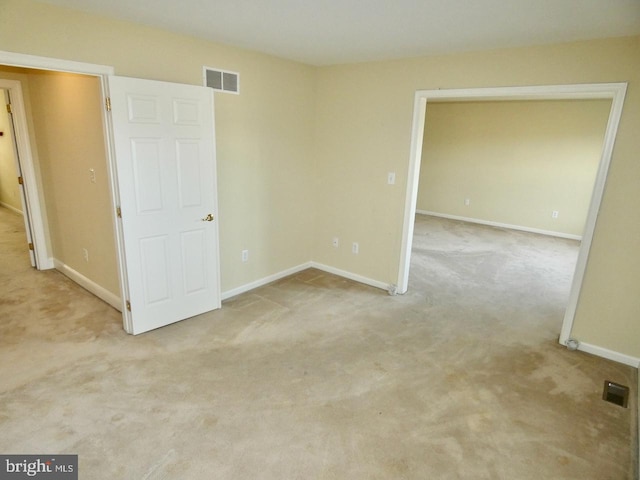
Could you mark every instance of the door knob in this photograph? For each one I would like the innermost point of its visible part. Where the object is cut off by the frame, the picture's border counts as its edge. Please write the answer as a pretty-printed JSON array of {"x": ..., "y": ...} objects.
[{"x": 208, "y": 218}]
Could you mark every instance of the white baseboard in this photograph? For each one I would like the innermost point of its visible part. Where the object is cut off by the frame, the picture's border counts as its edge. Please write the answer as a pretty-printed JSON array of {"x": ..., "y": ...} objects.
[
  {"x": 502, "y": 225},
  {"x": 9, "y": 207},
  {"x": 89, "y": 285},
  {"x": 609, "y": 354},
  {"x": 264, "y": 281},
  {"x": 351, "y": 276},
  {"x": 291, "y": 271}
]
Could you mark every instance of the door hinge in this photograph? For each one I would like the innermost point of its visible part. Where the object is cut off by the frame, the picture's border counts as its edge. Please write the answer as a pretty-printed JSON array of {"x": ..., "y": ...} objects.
[
  {"x": 107, "y": 103},
  {"x": 30, "y": 246},
  {"x": 128, "y": 305},
  {"x": 20, "y": 181},
  {"x": 9, "y": 108},
  {"x": 118, "y": 212}
]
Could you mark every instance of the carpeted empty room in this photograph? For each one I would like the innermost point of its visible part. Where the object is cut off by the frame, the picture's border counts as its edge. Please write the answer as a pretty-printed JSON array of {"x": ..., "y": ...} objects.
[{"x": 318, "y": 377}]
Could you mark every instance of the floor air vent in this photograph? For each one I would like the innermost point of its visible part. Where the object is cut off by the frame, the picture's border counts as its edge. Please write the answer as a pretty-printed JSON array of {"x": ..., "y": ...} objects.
[
  {"x": 616, "y": 393},
  {"x": 222, "y": 80}
]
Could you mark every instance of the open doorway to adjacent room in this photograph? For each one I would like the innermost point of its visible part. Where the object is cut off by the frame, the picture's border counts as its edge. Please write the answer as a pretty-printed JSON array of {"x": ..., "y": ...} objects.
[
  {"x": 480, "y": 165},
  {"x": 62, "y": 163}
]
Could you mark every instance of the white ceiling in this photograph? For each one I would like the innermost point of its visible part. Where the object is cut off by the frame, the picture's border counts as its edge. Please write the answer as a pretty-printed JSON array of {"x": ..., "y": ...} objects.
[{"x": 325, "y": 32}]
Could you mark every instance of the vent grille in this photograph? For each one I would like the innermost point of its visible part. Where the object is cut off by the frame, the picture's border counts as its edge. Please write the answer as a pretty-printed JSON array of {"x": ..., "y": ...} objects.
[
  {"x": 616, "y": 393},
  {"x": 222, "y": 80}
]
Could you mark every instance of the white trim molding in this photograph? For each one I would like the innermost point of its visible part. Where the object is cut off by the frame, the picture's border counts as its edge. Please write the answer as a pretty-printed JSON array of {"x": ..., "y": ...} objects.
[
  {"x": 89, "y": 285},
  {"x": 264, "y": 281},
  {"x": 299, "y": 268},
  {"x": 490, "y": 223},
  {"x": 351, "y": 276},
  {"x": 616, "y": 92},
  {"x": 609, "y": 354},
  {"x": 48, "y": 63},
  {"x": 11, "y": 208}
]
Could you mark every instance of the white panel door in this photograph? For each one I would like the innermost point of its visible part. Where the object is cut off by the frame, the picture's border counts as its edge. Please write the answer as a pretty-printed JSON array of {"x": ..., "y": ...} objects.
[{"x": 164, "y": 145}]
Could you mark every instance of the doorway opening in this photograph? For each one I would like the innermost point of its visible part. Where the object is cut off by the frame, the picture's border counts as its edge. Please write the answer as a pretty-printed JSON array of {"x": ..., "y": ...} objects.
[
  {"x": 172, "y": 260},
  {"x": 614, "y": 92},
  {"x": 65, "y": 168}
]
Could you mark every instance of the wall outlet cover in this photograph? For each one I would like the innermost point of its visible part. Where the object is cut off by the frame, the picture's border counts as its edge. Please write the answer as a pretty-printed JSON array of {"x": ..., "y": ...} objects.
[{"x": 391, "y": 178}]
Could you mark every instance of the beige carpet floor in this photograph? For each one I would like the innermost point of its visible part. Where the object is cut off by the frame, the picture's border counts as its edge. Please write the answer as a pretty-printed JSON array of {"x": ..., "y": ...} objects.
[{"x": 317, "y": 377}]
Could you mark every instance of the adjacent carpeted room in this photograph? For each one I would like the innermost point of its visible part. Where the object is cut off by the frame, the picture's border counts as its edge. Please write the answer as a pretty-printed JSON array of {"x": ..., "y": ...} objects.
[{"x": 318, "y": 377}]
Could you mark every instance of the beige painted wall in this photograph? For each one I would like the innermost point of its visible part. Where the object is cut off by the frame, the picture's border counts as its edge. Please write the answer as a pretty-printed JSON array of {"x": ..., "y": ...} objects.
[
  {"x": 67, "y": 118},
  {"x": 264, "y": 135},
  {"x": 303, "y": 153},
  {"x": 364, "y": 117},
  {"x": 9, "y": 189},
  {"x": 515, "y": 161}
]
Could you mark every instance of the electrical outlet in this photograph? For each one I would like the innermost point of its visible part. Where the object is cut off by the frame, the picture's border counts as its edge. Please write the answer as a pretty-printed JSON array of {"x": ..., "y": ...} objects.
[
  {"x": 554, "y": 214},
  {"x": 245, "y": 256},
  {"x": 391, "y": 178},
  {"x": 85, "y": 255},
  {"x": 355, "y": 247},
  {"x": 467, "y": 202},
  {"x": 335, "y": 242},
  {"x": 92, "y": 175}
]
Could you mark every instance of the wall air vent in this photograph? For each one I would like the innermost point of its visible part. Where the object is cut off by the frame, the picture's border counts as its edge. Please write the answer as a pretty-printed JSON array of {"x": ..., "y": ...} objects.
[{"x": 221, "y": 80}]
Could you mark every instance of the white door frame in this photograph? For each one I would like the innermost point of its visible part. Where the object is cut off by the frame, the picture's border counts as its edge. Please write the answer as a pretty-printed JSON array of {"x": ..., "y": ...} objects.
[
  {"x": 39, "y": 231},
  {"x": 24, "y": 163},
  {"x": 613, "y": 91}
]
